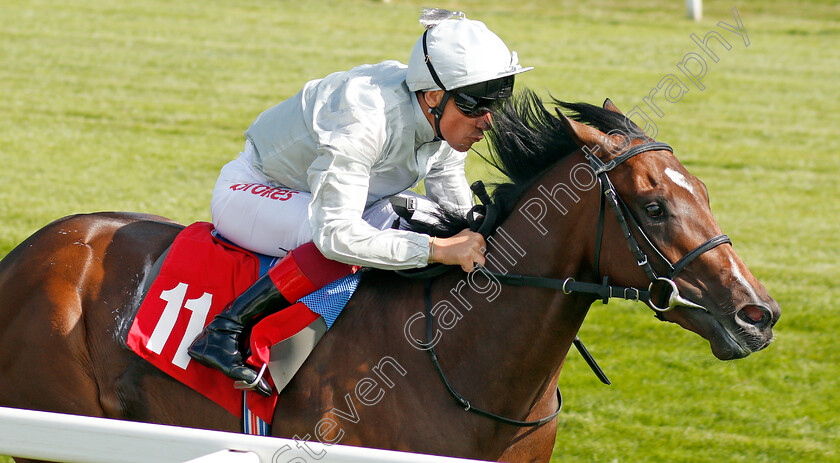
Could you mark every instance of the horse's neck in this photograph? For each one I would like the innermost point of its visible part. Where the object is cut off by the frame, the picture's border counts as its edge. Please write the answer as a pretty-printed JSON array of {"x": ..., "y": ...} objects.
[{"x": 518, "y": 336}]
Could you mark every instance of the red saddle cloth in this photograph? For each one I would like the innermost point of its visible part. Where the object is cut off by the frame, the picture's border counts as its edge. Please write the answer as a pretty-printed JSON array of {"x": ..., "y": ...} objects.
[{"x": 199, "y": 277}]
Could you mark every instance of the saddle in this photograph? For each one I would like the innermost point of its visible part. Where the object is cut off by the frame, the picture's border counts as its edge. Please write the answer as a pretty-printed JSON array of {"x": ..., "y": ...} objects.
[{"x": 193, "y": 281}]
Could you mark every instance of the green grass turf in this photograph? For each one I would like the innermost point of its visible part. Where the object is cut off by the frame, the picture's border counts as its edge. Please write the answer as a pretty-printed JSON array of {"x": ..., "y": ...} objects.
[{"x": 136, "y": 105}]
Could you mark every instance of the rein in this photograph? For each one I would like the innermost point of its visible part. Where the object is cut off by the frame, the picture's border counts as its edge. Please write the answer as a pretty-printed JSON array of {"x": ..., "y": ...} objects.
[{"x": 430, "y": 323}]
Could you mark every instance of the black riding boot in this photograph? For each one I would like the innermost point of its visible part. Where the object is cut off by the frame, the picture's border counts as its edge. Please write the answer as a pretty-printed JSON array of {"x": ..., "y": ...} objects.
[{"x": 219, "y": 345}]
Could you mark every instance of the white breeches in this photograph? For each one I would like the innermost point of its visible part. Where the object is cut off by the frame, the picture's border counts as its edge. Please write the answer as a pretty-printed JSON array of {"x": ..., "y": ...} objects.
[{"x": 248, "y": 211}]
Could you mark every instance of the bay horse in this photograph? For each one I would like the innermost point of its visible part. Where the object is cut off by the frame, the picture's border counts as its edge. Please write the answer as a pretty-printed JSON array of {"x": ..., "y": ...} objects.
[{"x": 66, "y": 290}]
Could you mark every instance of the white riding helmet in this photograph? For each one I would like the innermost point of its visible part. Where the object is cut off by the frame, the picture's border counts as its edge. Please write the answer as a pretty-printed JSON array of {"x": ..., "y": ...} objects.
[{"x": 461, "y": 51}]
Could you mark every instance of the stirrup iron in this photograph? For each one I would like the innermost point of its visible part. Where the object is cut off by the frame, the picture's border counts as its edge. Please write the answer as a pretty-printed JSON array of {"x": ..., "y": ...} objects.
[{"x": 244, "y": 385}]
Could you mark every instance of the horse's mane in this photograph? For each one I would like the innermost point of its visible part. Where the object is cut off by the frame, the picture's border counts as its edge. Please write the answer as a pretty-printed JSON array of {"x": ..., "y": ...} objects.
[{"x": 527, "y": 139}]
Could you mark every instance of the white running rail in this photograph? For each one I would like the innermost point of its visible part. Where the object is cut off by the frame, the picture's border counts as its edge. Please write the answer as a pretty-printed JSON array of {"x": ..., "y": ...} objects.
[{"x": 70, "y": 438}]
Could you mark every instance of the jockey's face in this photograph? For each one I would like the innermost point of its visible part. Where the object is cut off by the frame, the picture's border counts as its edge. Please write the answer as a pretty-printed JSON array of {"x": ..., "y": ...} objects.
[{"x": 459, "y": 130}]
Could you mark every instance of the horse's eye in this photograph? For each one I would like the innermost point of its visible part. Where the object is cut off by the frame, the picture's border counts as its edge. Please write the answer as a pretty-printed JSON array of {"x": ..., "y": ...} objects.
[{"x": 654, "y": 211}]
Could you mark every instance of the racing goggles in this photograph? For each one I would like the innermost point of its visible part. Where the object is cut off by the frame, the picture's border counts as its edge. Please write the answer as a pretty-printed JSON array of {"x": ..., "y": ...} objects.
[{"x": 478, "y": 99}]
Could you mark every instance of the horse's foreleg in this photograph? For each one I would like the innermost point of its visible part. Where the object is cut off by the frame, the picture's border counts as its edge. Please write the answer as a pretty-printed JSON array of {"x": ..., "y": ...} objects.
[{"x": 536, "y": 444}]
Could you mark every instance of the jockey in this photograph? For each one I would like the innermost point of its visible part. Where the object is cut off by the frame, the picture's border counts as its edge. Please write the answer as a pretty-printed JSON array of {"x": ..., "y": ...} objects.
[{"x": 319, "y": 169}]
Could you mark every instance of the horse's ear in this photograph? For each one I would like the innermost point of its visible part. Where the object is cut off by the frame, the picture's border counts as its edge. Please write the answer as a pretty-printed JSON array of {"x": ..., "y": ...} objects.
[
  {"x": 583, "y": 134},
  {"x": 609, "y": 106}
]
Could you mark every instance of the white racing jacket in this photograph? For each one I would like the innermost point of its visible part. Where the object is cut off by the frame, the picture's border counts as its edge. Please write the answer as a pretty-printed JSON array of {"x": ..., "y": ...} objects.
[{"x": 351, "y": 139}]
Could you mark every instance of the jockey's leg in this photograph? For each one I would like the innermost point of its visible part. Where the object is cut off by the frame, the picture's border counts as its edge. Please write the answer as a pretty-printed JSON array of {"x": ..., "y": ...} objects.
[
  {"x": 299, "y": 273},
  {"x": 249, "y": 212}
]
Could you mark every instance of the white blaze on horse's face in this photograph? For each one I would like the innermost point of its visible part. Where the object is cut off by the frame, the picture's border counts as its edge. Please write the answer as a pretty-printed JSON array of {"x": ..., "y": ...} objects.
[{"x": 679, "y": 179}]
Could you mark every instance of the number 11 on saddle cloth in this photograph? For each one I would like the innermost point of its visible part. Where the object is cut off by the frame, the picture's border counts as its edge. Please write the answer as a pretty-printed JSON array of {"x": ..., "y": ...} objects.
[{"x": 200, "y": 275}]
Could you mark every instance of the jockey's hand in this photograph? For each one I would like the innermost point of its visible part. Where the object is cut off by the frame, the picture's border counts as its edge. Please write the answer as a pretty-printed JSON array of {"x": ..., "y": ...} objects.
[{"x": 465, "y": 249}]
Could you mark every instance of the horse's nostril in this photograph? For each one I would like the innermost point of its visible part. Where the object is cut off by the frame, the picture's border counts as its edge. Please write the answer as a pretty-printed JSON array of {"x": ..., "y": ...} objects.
[{"x": 755, "y": 315}]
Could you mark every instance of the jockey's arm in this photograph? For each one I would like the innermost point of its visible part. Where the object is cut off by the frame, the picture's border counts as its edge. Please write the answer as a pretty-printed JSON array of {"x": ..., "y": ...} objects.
[{"x": 339, "y": 181}]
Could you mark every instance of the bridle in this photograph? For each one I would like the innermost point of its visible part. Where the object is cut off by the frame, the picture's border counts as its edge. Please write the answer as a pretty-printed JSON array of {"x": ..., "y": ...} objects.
[
  {"x": 604, "y": 291},
  {"x": 610, "y": 196}
]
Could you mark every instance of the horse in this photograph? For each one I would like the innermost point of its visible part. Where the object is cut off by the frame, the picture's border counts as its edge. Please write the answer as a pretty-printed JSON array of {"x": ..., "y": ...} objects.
[{"x": 592, "y": 209}]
